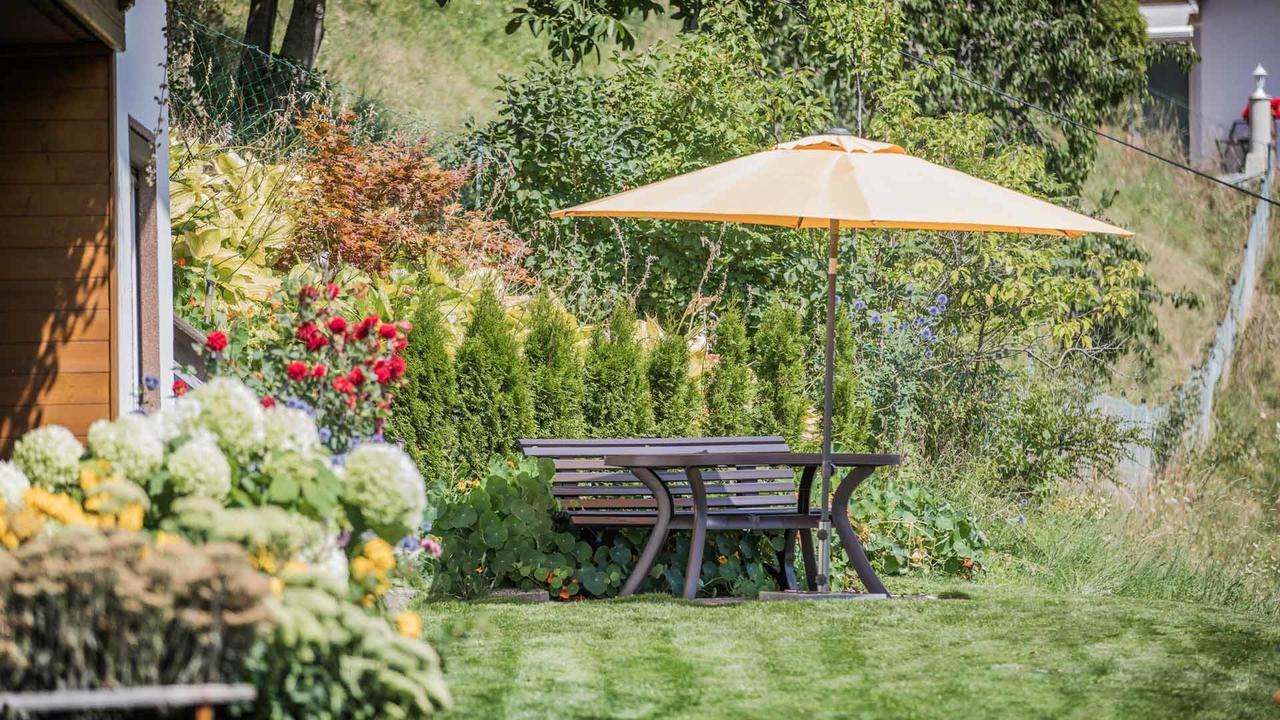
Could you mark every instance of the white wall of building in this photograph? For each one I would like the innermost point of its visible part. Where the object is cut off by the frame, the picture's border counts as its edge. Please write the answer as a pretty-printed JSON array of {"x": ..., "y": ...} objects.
[
  {"x": 1232, "y": 36},
  {"x": 139, "y": 80}
]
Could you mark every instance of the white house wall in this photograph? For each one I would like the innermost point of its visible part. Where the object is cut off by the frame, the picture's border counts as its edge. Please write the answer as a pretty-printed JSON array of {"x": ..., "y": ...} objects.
[{"x": 1232, "y": 36}]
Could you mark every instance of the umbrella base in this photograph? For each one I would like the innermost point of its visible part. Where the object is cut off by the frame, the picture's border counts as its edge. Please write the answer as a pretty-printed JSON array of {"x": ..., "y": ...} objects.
[{"x": 813, "y": 595}]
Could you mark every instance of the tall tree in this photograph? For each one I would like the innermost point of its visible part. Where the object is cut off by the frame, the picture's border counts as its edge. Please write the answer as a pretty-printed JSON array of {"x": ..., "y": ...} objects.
[
  {"x": 305, "y": 32},
  {"x": 555, "y": 370}
]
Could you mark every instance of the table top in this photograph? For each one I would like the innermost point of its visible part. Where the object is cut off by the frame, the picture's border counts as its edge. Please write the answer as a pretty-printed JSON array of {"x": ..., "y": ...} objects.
[{"x": 714, "y": 459}]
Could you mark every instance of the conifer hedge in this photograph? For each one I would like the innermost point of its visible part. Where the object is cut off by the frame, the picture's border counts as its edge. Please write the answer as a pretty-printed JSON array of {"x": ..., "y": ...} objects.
[
  {"x": 677, "y": 404},
  {"x": 778, "y": 355},
  {"x": 423, "y": 417},
  {"x": 555, "y": 370},
  {"x": 731, "y": 384},
  {"x": 616, "y": 401}
]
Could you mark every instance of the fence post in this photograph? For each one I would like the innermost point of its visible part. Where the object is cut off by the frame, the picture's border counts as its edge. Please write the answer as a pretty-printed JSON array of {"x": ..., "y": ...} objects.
[{"x": 1260, "y": 124}]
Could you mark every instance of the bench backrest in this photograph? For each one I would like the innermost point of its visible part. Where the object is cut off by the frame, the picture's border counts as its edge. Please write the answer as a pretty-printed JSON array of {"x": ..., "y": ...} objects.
[{"x": 585, "y": 485}]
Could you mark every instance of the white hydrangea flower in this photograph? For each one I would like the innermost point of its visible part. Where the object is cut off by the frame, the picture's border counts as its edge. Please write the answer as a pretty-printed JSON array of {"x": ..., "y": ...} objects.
[
  {"x": 175, "y": 419},
  {"x": 231, "y": 411},
  {"x": 328, "y": 559},
  {"x": 13, "y": 486},
  {"x": 198, "y": 467},
  {"x": 384, "y": 483},
  {"x": 130, "y": 444},
  {"x": 49, "y": 456},
  {"x": 291, "y": 429}
]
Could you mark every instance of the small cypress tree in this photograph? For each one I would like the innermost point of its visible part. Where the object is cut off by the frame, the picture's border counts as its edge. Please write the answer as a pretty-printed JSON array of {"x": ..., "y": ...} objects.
[
  {"x": 851, "y": 409},
  {"x": 616, "y": 401},
  {"x": 423, "y": 414},
  {"x": 778, "y": 352},
  {"x": 555, "y": 371},
  {"x": 493, "y": 410},
  {"x": 675, "y": 396},
  {"x": 731, "y": 385}
]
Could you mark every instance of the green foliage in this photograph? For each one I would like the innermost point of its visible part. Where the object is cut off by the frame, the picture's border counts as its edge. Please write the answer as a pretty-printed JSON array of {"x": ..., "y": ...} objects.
[
  {"x": 1087, "y": 60},
  {"x": 907, "y": 530},
  {"x": 677, "y": 405},
  {"x": 576, "y": 29},
  {"x": 494, "y": 409},
  {"x": 88, "y": 610},
  {"x": 851, "y": 411},
  {"x": 555, "y": 370},
  {"x": 563, "y": 137},
  {"x": 617, "y": 402},
  {"x": 424, "y": 413},
  {"x": 731, "y": 384},
  {"x": 778, "y": 359},
  {"x": 330, "y": 659}
]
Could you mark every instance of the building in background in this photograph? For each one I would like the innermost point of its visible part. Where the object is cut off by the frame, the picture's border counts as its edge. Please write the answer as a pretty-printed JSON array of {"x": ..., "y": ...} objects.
[
  {"x": 1232, "y": 37},
  {"x": 85, "y": 270}
]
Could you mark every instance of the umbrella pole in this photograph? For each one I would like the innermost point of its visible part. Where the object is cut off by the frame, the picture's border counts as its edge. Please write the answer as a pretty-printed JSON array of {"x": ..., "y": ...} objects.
[{"x": 828, "y": 382}]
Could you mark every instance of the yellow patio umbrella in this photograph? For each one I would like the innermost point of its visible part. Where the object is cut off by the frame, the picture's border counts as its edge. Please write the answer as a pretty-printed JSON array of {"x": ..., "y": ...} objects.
[{"x": 839, "y": 181}]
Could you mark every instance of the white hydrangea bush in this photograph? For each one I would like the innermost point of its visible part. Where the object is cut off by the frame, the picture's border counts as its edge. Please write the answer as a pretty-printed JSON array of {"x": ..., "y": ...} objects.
[
  {"x": 131, "y": 444},
  {"x": 49, "y": 456},
  {"x": 13, "y": 486},
  {"x": 198, "y": 467},
  {"x": 291, "y": 429},
  {"x": 383, "y": 482},
  {"x": 232, "y": 412}
]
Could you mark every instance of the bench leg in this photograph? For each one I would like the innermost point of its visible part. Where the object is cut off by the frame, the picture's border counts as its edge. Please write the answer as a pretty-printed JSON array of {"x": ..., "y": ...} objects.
[
  {"x": 657, "y": 536},
  {"x": 810, "y": 560},
  {"x": 848, "y": 538},
  {"x": 787, "y": 561},
  {"x": 699, "y": 539}
]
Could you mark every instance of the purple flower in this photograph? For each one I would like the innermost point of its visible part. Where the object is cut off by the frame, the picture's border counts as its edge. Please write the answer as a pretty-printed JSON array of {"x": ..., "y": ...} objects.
[
  {"x": 943, "y": 300},
  {"x": 955, "y": 331},
  {"x": 1022, "y": 519},
  {"x": 874, "y": 317},
  {"x": 325, "y": 434},
  {"x": 432, "y": 546},
  {"x": 344, "y": 539},
  {"x": 934, "y": 310},
  {"x": 859, "y": 305},
  {"x": 1023, "y": 501},
  {"x": 927, "y": 334},
  {"x": 150, "y": 382},
  {"x": 408, "y": 542},
  {"x": 928, "y": 353}
]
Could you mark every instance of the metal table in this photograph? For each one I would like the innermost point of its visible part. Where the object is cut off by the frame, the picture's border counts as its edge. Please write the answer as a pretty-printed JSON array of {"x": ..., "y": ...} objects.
[{"x": 859, "y": 466}]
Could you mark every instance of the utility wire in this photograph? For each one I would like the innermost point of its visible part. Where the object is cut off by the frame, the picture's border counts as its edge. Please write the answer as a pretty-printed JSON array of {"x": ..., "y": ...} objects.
[{"x": 1075, "y": 123}]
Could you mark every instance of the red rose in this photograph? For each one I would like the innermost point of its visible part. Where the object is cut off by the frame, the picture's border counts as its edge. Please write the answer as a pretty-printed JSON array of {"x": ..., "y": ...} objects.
[
  {"x": 387, "y": 331},
  {"x": 296, "y": 370},
  {"x": 216, "y": 341},
  {"x": 400, "y": 344},
  {"x": 317, "y": 341},
  {"x": 343, "y": 385},
  {"x": 362, "y": 330},
  {"x": 180, "y": 388},
  {"x": 334, "y": 290},
  {"x": 398, "y": 366},
  {"x": 308, "y": 292},
  {"x": 382, "y": 371},
  {"x": 337, "y": 324},
  {"x": 406, "y": 326},
  {"x": 319, "y": 371},
  {"x": 268, "y": 402},
  {"x": 306, "y": 330},
  {"x": 356, "y": 376}
]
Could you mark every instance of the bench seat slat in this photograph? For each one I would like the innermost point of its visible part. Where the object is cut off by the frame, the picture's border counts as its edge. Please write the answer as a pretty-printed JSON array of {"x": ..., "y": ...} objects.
[
  {"x": 576, "y": 504},
  {"x": 742, "y": 488},
  {"x": 572, "y": 476},
  {"x": 585, "y": 451},
  {"x": 545, "y": 445}
]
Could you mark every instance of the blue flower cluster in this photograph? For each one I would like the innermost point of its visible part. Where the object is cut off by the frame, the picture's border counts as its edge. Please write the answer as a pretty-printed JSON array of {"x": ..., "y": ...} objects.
[{"x": 924, "y": 322}]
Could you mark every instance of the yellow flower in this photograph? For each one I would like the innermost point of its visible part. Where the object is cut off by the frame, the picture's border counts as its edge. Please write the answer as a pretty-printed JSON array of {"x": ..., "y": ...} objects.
[
  {"x": 131, "y": 517},
  {"x": 294, "y": 566},
  {"x": 277, "y": 586},
  {"x": 379, "y": 551},
  {"x": 88, "y": 479},
  {"x": 264, "y": 561},
  {"x": 95, "y": 503},
  {"x": 163, "y": 538},
  {"x": 360, "y": 568},
  {"x": 409, "y": 624}
]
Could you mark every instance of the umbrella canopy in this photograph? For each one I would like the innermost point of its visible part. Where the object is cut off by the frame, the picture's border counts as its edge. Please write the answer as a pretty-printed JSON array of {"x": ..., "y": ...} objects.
[
  {"x": 859, "y": 183},
  {"x": 839, "y": 181}
]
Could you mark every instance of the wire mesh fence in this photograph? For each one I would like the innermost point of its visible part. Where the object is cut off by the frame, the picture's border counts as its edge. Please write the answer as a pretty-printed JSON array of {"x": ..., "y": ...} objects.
[{"x": 225, "y": 92}]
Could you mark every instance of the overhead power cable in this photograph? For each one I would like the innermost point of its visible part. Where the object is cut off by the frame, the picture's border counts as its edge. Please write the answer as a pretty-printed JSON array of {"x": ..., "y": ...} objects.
[{"x": 1077, "y": 124}]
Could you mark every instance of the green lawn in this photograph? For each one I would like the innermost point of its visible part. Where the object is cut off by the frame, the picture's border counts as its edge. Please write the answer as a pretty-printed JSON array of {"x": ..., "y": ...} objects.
[{"x": 1000, "y": 652}]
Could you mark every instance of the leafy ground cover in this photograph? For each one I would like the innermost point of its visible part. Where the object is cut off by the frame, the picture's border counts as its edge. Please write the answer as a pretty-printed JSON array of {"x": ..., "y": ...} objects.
[{"x": 989, "y": 650}]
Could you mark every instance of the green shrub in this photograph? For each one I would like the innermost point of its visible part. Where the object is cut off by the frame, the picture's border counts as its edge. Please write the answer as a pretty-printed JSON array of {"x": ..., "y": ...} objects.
[
  {"x": 331, "y": 659},
  {"x": 85, "y": 609},
  {"x": 424, "y": 413},
  {"x": 617, "y": 402},
  {"x": 677, "y": 405},
  {"x": 555, "y": 370},
  {"x": 851, "y": 412},
  {"x": 908, "y": 530},
  {"x": 493, "y": 408},
  {"x": 731, "y": 385},
  {"x": 778, "y": 355}
]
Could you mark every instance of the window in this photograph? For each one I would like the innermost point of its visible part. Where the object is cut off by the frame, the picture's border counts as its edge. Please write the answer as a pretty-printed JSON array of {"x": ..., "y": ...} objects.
[{"x": 142, "y": 316}]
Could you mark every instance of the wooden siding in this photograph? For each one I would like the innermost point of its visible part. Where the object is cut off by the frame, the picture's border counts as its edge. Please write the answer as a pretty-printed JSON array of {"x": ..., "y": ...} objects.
[{"x": 56, "y": 315}]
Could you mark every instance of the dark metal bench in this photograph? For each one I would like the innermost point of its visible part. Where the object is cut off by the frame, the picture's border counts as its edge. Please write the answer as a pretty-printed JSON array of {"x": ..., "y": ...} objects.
[{"x": 699, "y": 484}]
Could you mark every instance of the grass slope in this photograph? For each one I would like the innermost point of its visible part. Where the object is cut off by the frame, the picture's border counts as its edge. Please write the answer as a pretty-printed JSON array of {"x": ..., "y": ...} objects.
[{"x": 1003, "y": 652}]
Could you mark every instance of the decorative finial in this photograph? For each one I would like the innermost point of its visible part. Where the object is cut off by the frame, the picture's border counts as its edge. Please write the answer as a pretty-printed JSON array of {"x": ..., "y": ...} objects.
[{"x": 1259, "y": 82}]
